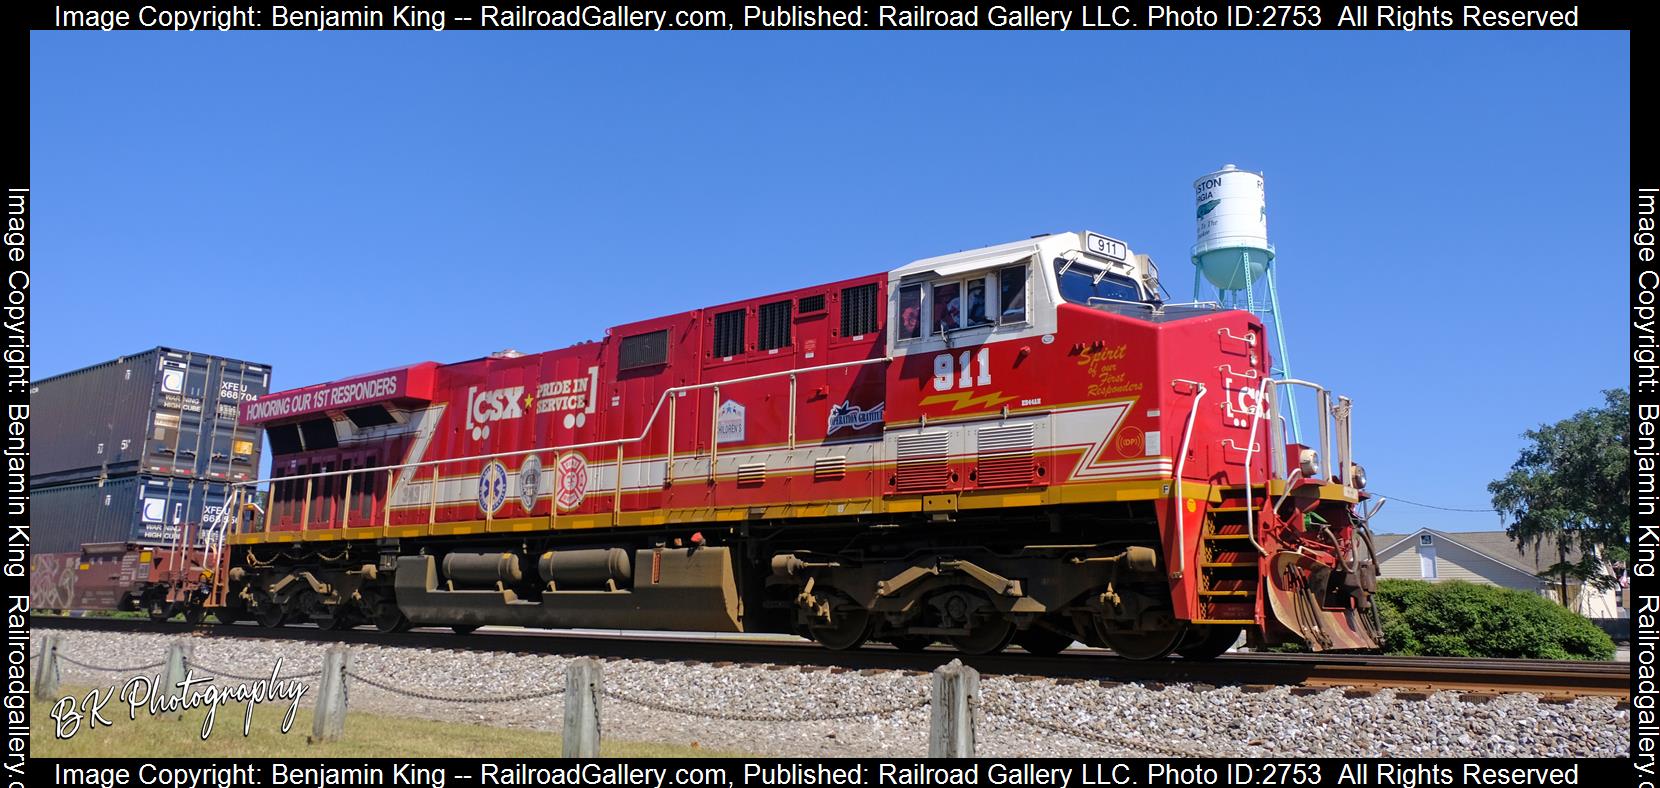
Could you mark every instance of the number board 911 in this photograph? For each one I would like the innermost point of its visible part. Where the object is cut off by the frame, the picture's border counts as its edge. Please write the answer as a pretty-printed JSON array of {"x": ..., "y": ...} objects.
[{"x": 1110, "y": 248}]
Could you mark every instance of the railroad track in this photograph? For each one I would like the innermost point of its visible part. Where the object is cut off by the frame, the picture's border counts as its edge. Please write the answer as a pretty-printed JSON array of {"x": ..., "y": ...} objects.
[{"x": 1553, "y": 679}]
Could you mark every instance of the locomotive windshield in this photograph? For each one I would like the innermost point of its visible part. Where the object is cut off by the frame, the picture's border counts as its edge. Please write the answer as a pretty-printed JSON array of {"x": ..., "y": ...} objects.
[{"x": 1087, "y": 285}]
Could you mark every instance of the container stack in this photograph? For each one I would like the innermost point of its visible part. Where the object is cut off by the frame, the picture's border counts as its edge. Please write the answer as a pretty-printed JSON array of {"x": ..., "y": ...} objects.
[{"x": 133, "y": 449}]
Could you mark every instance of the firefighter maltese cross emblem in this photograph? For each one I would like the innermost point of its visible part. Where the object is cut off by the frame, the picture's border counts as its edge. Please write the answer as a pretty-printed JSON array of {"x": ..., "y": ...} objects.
[
  {"x": 572, "y": 486},
  {"x": 492, "y": 487}
]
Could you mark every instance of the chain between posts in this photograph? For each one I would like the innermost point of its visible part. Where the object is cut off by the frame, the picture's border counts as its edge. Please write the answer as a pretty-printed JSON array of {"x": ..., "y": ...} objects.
[
  {"x": 547, "y": 693},
  {"x": 225, "y": 674},
  {"x": 1097, "y": 737},
  {"x": 106, "y": 668},
  {"x": 739, "y": 716}
]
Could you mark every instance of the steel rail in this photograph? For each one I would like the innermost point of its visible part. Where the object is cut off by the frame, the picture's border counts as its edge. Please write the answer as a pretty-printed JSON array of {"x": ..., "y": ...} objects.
[{"x": 1550, "y": 678}]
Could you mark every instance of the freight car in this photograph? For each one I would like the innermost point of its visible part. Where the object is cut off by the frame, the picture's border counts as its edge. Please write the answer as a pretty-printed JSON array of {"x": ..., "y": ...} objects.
[
  {"x": 1022, "y": 443},
  {"x": 126, "y": 576}
]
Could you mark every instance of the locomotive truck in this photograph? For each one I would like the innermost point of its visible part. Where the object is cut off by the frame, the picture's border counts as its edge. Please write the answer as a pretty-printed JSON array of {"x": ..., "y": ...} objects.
[{"x": 1022, "y": 444}]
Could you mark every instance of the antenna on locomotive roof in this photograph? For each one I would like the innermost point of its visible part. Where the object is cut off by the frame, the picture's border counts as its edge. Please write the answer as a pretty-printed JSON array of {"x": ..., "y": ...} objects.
[{"x": 1234, "y": 256}]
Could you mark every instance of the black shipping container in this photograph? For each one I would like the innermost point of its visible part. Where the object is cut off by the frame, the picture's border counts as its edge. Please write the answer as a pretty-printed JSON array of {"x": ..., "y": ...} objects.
[
  {"x": 162, "y": 412},
  {"x": 140, "y": 509}
]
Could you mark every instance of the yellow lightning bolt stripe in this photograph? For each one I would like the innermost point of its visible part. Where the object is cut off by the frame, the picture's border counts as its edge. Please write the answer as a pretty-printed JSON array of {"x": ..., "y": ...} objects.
[{"x": 964, "y": 399}]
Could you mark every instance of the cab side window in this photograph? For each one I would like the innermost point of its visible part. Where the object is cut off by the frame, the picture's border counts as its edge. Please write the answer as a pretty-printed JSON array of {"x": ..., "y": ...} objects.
[{"x": 1011, "y": 286}]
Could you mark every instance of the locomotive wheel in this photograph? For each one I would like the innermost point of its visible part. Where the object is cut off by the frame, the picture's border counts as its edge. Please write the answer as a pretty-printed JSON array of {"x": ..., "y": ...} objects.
[
  {"x": 1042, "y": 642},
  {"x": 195, "y": 615},
  {"x": 1142, "y": 645},
  {"x": 1208, "y": 642},
  {"x": 847, "y": 632},
  {"x": 386, "y": 615},
  {"x": 339, "y": 619},
  {"x": 991, "y": 636},
  {"x": 160, "y": 610},
  {"x": 269, "y": 614},
  {"x": 229, "y": 614},
  {"x": 911, "y": 644}
]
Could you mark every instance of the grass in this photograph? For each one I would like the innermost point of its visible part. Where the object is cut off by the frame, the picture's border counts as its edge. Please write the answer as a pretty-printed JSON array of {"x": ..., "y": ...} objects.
[{"x": 366, "y": 736}]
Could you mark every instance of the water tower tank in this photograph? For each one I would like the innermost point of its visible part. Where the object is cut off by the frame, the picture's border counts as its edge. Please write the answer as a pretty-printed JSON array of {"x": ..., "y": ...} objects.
[{"x": 1233, "y": 228}]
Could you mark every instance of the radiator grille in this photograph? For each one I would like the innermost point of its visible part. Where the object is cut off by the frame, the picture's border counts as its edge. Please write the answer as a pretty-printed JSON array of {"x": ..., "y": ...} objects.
[
  {"x": 752, "y": 473},
  {"x": 830, "y": 467},
  {"x": 1005, "y": 456},
  {"x": 922, "y": 463}
]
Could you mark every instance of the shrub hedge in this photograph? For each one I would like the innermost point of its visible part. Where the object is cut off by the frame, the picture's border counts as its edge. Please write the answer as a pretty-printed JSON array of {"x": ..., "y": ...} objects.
[{"x": 1456, "y": 618}]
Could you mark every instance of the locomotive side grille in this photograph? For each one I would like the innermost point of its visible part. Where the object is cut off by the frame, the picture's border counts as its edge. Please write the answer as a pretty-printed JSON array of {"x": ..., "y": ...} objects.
[
  {"x": 859, "y": 310},
  {"x": 729, "y": 334},
  {"x": 825, "y": 468},
  {"x": 773, "y": 326},
  {"x": 752, "y": 473},
  {"x": 922, "y": 464},
  {"x": 1005, "y": 456}
]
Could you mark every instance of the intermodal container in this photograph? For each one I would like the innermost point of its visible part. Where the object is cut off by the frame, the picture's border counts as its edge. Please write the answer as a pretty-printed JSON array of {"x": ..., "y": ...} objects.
[
  {"x": 161, "y": 412},
  {"x": 147, "y": 510}
]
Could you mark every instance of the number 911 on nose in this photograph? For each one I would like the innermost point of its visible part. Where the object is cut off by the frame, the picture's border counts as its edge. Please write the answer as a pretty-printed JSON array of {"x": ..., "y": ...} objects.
[{"x": 1256, "y": 774}]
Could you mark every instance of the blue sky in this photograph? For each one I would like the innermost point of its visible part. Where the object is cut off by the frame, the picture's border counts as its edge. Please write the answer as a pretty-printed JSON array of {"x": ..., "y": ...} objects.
[{"x": 1449, "y": 209}]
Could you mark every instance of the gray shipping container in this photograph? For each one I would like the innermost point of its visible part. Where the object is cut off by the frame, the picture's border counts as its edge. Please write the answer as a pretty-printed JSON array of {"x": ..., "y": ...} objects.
[
  {"x": 141, "y": 509},
  {"x": 161, "y": 412}
]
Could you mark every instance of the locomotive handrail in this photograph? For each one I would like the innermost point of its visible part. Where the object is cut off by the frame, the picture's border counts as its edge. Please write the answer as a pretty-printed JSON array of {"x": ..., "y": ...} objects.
[
  {"x": 1181, "y": 463},
  {"x": 1157, "y": 308},
  {"x": 645, "y": 432},
  {"x": 1341, "y": 413}
]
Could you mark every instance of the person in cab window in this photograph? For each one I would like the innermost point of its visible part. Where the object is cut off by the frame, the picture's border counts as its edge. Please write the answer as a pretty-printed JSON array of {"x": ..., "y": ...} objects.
[
  {"x": 948, "y": 307},
  {"x": 977, "y": 303},
  {"x": 910, "y": 312}
]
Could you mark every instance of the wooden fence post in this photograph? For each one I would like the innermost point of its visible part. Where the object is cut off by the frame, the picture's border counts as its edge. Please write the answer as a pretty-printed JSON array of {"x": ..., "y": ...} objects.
[
  {"x": 955, "y": 701},
  {"x": 583, "y": 687},
  {"x": 173, "y": 670},
  {"x": 46, "y": 673},
  {"x": 329, "y": 718}
]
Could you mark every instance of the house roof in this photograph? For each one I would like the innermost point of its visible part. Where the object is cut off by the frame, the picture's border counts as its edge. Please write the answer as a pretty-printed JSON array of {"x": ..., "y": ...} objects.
[{"x": 1492, "y": 544}]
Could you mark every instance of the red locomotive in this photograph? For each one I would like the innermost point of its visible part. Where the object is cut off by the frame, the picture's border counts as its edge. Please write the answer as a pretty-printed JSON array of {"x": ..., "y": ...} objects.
[{"x": 1020, "y": 443}]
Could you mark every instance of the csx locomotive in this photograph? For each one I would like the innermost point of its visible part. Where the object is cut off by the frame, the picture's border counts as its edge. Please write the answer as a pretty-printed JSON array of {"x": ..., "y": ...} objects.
[{"x": 1017, "y": 444}]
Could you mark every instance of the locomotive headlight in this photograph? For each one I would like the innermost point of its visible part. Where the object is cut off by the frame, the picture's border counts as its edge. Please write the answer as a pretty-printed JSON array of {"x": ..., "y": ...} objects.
[
  {"x": 1309, "y": 461},
  {"x": 1358, "y": 476}
]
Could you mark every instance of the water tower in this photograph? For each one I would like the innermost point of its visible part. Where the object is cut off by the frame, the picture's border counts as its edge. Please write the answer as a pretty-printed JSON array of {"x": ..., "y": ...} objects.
[{"x": 1233, "y": 261}]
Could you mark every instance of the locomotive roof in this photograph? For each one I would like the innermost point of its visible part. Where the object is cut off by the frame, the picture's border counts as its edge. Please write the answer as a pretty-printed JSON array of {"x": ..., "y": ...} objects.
[{"x": 1002, "y": 254}]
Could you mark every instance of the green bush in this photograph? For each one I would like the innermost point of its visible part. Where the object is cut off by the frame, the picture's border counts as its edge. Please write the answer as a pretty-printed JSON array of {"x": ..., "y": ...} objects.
[{"x": 1461, "y": 619}]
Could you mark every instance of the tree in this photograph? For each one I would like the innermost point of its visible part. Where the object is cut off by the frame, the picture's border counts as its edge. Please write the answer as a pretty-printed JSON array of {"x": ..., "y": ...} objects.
[{"x": 1569, "y": 489}]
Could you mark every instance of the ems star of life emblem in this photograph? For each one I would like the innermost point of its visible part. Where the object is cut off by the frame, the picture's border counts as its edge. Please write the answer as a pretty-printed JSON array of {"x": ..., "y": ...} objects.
[
  {"x": 492, "y": 487},
  {"x": 530, "y": 482},
  {"x": 572, "y": 484}
]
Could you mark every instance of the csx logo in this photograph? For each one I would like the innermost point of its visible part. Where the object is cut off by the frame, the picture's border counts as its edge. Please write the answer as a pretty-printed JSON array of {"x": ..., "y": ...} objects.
[{"x": 484, "y": 407}]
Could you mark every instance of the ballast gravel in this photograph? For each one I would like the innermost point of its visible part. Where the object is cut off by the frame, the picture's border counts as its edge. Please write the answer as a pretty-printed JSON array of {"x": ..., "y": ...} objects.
[{"x": 1023, "y": 718}]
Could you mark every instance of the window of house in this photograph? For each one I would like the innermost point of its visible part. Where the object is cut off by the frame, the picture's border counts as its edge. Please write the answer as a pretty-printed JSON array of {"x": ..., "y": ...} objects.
[
  {"x": 772, "y": 329},
  {"x": 859, "y": 310},
  {"x": 729, "y": 334}
]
